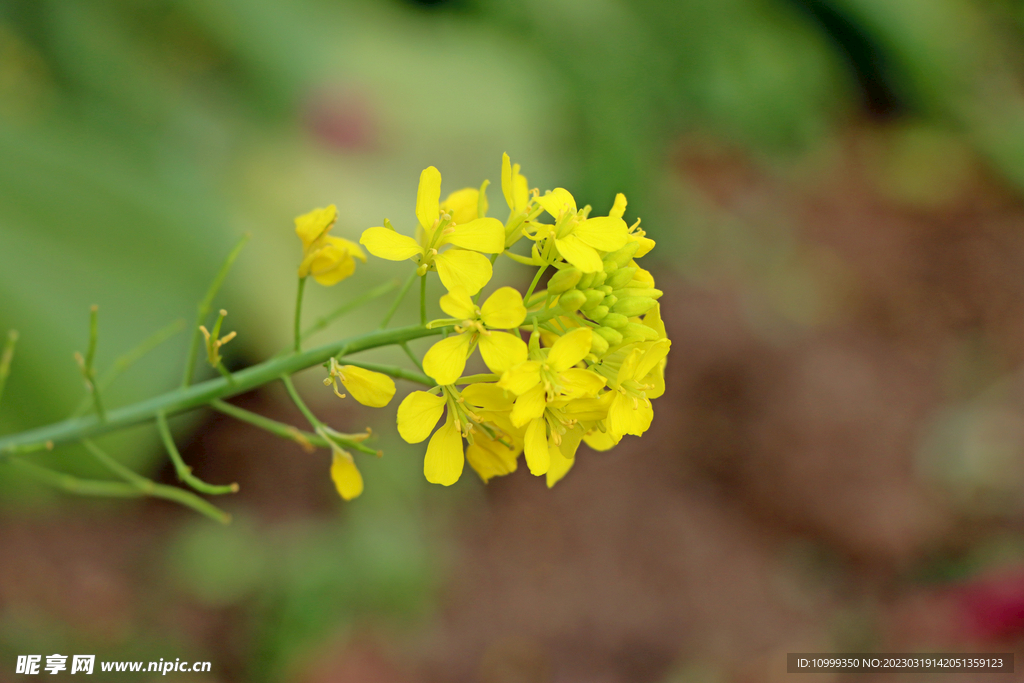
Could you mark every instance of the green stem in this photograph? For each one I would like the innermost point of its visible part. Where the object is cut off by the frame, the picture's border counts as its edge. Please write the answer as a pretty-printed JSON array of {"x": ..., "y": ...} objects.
[
  {"x": 536, "y": 279},
  {"x": 197, "y": 395},
  {"x": 6, "y": 357},
  {"x": 397, "y": 301},
  {"x": 151, "y": 488},
  {"x": 350, "y": 306},
  {"x": 129, "y": 359},
  {"x": 184, "y": 471},
  {"x": 471, "y": 379},
  {"x": 412, "y": 356},
  {"x": 298, "y": 315},
  {"x": 72, "y": 484},
  {"x": 423, "y": 299},
  {"x": 204, "y": 309},
  {"x": 89, "y": 369},
  {"x": 313, "y": 420},
  {"x": 393, "y": 371},
  {"x": 307, "y": 440}
]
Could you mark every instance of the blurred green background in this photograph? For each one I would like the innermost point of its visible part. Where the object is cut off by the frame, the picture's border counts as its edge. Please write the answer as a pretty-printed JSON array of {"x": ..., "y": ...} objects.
[{"x": 139, "y": 140}]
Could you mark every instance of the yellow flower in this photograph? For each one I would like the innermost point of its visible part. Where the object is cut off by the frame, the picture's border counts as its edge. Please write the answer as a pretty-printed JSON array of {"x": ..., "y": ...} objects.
[
  {"x": 417, "y": 416},
  {"x": 370, "y": 388},
  {"x": 328, "y": 259},
  {"x": 346, "y": 476},
  {"x": 634, "y": 385},
  {"x": 503, "y": 310},
  {"x": 578, "y": 239},
  {"x": 546, "y": 386},
  {"x": 491, "y": 458},
  {"x": 551, "y": 375},
  {"x": 460, "y": 266}
]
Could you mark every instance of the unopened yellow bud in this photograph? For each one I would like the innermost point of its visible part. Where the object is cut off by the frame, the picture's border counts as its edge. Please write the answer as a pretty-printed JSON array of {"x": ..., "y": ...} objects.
[
  {"x": 564, "y": 280},
  {"x": 620, "y": 278},
  {"x": 572, "y": 300},
  {"x": 615, "y": 320},
  {"x": 634, "y": 305},
  {"x": 609, "y": 335}
]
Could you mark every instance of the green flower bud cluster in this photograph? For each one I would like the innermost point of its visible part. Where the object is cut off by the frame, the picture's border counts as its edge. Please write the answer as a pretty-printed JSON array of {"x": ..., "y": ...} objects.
[{"x": 613, "y": 298}]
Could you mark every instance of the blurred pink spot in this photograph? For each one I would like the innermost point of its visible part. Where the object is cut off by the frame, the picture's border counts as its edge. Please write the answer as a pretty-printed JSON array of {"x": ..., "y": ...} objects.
[
  {"x": 994, "y": 607},
  {"x": 341, "y": 120}
]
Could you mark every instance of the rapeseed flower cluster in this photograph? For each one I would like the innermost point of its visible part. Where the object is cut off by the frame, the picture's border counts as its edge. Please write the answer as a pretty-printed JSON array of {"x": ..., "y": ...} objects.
[{"x": 576, "y": 361}]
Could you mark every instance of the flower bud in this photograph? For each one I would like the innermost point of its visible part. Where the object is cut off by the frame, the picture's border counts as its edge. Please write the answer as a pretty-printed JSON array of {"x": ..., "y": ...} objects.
[
  {"x": 624, "y": 255},
  {"x": 610, "y": 300},
  {"x": 598, "y": 345},
  {"x": 597, "y": 313},
  {"x": 611, "y": 336},
  {"x": 637, "y": 332},
  {"x": 565, "y": 280},
  {"x": 599, "y": 278},
  {"x": 638, "y": 291},
  {"x": 615, "y": 320},
  {"x": 594, "y": 298},
  {"x": 609, "y": 266},
  {"x": 620, "y": 278},
  {"x": 633, "y": 305},
  {"x": 572, "y": 300},
  {"x": 586, "y": 281},
  {"x": 604, "y": 288}
]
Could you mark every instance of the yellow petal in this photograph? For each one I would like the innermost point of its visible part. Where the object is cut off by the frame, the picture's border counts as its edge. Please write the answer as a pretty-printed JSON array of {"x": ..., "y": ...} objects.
[
  {"x": 504, "y": 309},
  {"x": 491, "y": 458},
  {"x": 483, "y": 234},
  {"x": 444, "y": 460},
  {"x": 603, "y": 232},
  {"x": 458, "y": 304},
  {"x": 353, "y": 249},
  {"x": 577, "y": 382},
  {"x": 370, "y": 388},
  {"x": 653, "y": 320},
  {"x": 601, "y": 441},
  {"x": 329, "y": 265},
  {"x": 628, "y": 417},
  {"x": 428, "y": 197},
  {"x": 529, "y": 406},
  {"x": 646, "y": 245},
  {"x": 445, "y": 360},
  {"x": 558, "y": 201},
  {"x": 627, "y": 370},
  {"x": 390, "y": 245},
  {"x": 311, "y": 226},
  {"x": 346, "y": 476},
  {"x": 570, "y": 349},
  {"x": 619, "y": 207},
  {"x": 579, "y": 254},
  {"x": 655, "y": 353},
  {"x": 462, "y": 205},
  {"x": 521, "y": 378},
  {"x": 418, "y": 414},
  {"x": 590, "y": 409},
  {"x": 461, "y": 268},
  {"x": 559, "y": 465},
  {"x": 535, "y": 446},
  {"x": 487, "y": 396},
  {"x": 520, "y": 190},
  {"x": 506, "y": 180},
  {"x": 501, "y": 350}
]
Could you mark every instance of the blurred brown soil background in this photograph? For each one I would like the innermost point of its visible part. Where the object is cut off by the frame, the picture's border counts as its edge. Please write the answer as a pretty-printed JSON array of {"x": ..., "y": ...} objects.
[{"x": 779, "y": 502}]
